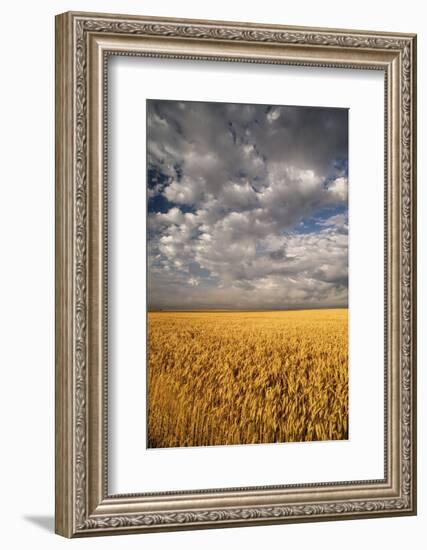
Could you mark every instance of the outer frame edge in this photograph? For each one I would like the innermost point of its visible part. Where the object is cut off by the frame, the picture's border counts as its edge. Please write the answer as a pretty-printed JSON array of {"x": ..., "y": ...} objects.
[{"x": 63, "y": 278}]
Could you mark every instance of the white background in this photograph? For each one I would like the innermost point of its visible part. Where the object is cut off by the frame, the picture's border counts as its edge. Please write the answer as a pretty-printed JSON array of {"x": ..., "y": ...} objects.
[
  {"x": 27, "y": 275},
  {"x": 133, "y": 468}
]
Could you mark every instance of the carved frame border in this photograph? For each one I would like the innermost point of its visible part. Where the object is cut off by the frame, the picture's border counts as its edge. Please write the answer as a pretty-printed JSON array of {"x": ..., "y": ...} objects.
[{"x": 83, "y": 43}]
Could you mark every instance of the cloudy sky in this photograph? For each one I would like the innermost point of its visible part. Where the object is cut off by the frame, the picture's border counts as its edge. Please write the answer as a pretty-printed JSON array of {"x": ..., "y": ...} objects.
[{"x": 247, "y": 206}]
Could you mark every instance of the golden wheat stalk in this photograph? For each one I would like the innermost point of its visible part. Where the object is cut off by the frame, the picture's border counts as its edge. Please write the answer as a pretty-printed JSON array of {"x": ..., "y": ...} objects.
[{"x": 222, "y": 378}]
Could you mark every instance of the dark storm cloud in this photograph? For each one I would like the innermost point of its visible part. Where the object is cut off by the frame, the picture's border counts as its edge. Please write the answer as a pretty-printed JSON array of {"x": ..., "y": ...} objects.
[{"x": 232, "y": 190}]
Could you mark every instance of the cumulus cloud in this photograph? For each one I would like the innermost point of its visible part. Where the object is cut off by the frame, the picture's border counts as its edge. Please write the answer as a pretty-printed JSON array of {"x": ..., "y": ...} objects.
[{"x": 247, "y": 206}]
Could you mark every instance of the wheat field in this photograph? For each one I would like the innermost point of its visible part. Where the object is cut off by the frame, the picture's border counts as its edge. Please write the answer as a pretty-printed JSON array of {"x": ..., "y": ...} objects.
[{"x": 226, "y": 378}]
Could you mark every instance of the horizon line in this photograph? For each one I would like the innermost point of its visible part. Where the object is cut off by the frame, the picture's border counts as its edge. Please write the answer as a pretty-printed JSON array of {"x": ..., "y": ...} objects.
[{"x": 157, "y": 310}]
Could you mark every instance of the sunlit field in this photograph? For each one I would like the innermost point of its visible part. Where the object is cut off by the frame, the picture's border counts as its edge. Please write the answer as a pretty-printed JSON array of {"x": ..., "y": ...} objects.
[{"x": 227, "y": 378}]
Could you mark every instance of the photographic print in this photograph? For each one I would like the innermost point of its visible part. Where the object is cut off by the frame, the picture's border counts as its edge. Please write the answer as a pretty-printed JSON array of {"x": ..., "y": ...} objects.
[
  {"x": 226, "y": 226},
  {"x": 247, "y": 273}
]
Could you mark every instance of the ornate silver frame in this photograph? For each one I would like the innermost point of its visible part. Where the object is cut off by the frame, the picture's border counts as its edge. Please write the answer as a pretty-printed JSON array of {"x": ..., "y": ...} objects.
[{"x": 83, "y": 42}]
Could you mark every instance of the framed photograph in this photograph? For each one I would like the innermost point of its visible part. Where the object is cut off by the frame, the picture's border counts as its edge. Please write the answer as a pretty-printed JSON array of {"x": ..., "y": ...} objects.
[{"x": 235, "y": 274}]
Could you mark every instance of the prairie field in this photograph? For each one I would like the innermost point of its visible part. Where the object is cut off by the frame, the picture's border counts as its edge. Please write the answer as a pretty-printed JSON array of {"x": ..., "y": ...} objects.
[{"x": 227, "y": 378}]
